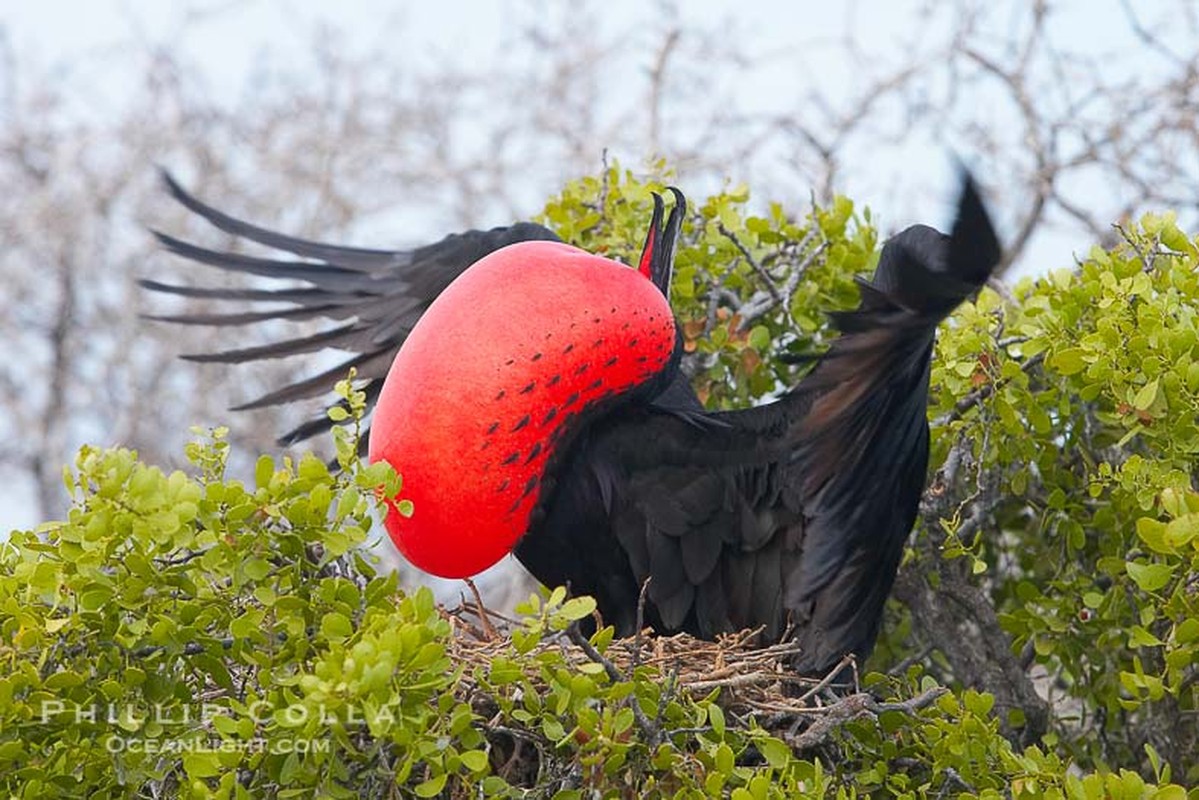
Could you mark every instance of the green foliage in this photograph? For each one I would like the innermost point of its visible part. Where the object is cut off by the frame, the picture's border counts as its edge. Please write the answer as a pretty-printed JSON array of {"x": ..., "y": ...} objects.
[
  {"x": 187, "y": 635},
  {"x": 746, "y": 288},
  {"x": 1090, "y": 436}
]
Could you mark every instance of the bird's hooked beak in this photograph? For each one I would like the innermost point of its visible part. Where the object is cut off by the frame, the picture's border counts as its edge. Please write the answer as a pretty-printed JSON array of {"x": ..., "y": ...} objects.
[{"x": 657, "y": 257}]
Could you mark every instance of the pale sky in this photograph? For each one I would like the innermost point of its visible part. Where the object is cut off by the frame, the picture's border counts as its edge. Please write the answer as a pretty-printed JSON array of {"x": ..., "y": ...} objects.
[{"x": 226, "y": 42}]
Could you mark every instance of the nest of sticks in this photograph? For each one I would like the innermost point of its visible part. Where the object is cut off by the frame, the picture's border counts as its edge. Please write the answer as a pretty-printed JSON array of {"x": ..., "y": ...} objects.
[{"x": 756, "y": 682}]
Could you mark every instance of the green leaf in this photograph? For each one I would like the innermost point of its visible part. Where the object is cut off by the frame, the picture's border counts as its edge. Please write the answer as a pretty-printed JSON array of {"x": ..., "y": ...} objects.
[
  {"x": 1139, "y": 637},
  {"x": 246, "y": 625},
  {"x": 474, "y": 760},
  {"x": 1171, "y": 792},
  {"x": 1182, "y": 531},
  {"x": 264, "y": 470},
  {"x": 1153, "y": 533},
  {"x": 725, "y": 761},
  {"x": 776, "y": 753},
  {"x": 577, "y": 608},
  {"x": 1187, "y": 631},
  {"x": 336, "y": 626},
  {"x": 201, "y": 765},
  {"x": 431, "y": 787},
  {"x": 1145, "y": 396},
  {"x": 1150, "y": 577},
  {"x": 1069, "y": 362},
  {"x": 256, "y": 569}
]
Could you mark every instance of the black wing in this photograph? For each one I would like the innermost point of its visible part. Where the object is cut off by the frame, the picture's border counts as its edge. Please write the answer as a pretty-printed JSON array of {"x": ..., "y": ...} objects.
[
  {"x": 373, "y": 296},
  {"x": 790, "y": 514}
]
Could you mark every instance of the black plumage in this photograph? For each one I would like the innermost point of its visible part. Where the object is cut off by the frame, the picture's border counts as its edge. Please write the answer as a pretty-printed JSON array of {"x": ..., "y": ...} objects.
[
  {"x": 378, "y": 295},
  {"x": 791, "y": 516}
]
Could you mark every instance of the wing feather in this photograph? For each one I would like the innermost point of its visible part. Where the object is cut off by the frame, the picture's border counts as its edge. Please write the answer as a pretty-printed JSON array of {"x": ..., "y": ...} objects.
[{"x": 378, "y": 295}]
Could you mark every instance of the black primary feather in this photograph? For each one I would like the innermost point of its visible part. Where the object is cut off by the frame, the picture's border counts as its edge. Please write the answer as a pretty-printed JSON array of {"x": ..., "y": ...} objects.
[{"x": 375, "y": 295}]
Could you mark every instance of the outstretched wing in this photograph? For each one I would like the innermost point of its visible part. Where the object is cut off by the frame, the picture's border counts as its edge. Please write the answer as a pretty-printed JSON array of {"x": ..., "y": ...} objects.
[
  {"x": 864, "y": 438},
  {"x": 373, "y": 297},
  {"x": 793, "y": 514}
]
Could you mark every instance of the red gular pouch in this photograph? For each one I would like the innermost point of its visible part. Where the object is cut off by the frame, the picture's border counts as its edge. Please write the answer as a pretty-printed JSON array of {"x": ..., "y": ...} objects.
[{"x": 498, "y": 374}]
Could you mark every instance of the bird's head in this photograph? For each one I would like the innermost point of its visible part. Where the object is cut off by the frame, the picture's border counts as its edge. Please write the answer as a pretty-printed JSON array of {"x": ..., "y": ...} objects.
[{"x": 501, "y": 373}]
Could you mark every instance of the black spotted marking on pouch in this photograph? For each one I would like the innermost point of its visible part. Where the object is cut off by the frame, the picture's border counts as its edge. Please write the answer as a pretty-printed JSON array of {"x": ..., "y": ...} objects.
[
  {"x": 536, "y": 357},
  {"x": 574, "y": 398},
  {"x": 493, "y": 427},
  {"x": 521, "y": 423},
  {"x": 611, "y": 362},
  {"x": 598, "y": 342},
  {"x": 486, "y": 444},
  {"x": 503, "y": 487},
  {"x": 549, "y": 417},
  {"x": 536, "y": 451},
  {"x": 500, "y": 396},
  {"x": 642, "y": 359},
  {"x": 586, "y": 365},
  {"x": 509, "y": 362},
  {"x": 530, "y": 485},
  {"x": 552, "y": 382},
  {"x": 529, "y": 388},
  {"x": 511, "y": 459},
  {"x": 596, "y": 320},
  {"x": 633, "y": 342},
  {"x": 597, "y": 383},
  {"x": 568, "y": 347}
]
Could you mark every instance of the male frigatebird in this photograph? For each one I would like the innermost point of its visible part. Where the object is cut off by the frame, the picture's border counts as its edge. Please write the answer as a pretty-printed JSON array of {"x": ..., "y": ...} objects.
[{"x": 536, "y": 406}]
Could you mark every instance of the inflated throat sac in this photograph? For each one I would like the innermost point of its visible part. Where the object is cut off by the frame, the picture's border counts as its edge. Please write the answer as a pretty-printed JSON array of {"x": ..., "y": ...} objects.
[{"x": 493, "y": 378}]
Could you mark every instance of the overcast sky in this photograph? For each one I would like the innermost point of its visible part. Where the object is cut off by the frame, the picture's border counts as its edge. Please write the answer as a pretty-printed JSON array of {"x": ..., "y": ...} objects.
[{"x": 86, "y": 46}]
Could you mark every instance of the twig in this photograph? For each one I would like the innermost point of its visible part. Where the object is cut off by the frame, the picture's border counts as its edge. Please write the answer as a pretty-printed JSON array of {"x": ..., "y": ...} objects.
[
  {"x": 651, "y": 730},
  {"x": 827, "y": 679},
  {"x": 603, "y": 195},
  {"x": 854, "y": 707},
  {"x": 753, "y": 262},
  {"x": 902, "y": 666},
  {"x": 177, "y": 560},
  {"x": 953, "y": 778},
  {"x": 189, "y": 649},
  {"x": 635, "y": 658},
  {"x": 483, "y": 620},
  {"x": 736, "y": 681}
]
